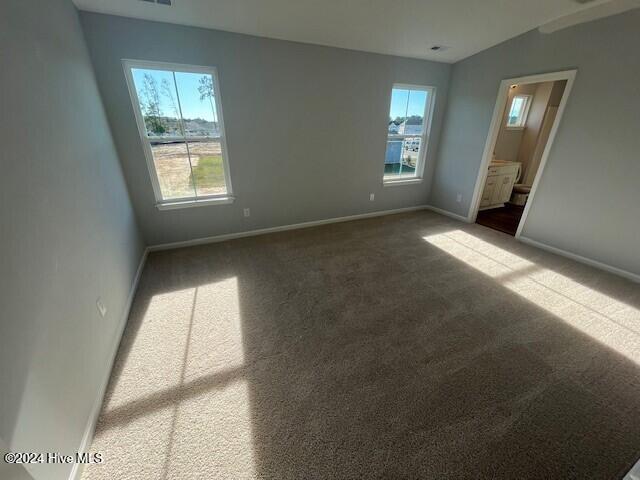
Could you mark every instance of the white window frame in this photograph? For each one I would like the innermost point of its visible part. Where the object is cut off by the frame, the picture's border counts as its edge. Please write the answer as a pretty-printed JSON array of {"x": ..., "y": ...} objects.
[
  {"x": 416, "y": 177},
  {"x": 525, "y": 112},
  {"x": 196, "y": 200}
]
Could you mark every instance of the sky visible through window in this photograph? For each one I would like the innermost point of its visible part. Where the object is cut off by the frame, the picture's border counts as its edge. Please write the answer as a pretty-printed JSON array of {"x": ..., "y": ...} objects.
[
  {"x": 188, "y": 84},
  {"x": 406, "y": 130},
  {"x": 407, "y": 103},
  {"x": 157, "y": 95},
  {"x": 516, "y": 106},
  {"x": 181, "y": 124},
  {"x": 516, "y": 112}
]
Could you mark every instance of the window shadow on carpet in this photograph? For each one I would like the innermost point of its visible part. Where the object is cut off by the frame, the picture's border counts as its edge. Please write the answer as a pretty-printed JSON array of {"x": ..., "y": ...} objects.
[{"x": 408, "y": 346}]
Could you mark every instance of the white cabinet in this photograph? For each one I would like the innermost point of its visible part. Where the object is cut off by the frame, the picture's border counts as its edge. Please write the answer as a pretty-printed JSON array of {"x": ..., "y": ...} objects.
[
  {"x": 499, "y": 185},
  {"x": 487, "y": 193}
]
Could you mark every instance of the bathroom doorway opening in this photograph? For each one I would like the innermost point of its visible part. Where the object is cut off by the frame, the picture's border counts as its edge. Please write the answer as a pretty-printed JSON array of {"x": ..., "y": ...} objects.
[{"x": 526, "y": 116}]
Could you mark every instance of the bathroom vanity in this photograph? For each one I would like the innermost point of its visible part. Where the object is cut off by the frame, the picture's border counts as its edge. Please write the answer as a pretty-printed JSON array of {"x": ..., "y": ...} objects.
[{"x": 501, "y": 177}]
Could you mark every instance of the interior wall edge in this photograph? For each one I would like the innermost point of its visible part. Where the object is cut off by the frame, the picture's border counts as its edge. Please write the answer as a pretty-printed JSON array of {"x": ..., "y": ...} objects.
[
  {"x": 87, "y": 438},
  {"x": 73, "y": 236},
  {"x": 589, "y": 181},
  {"x": 306, "y": 125},
  {"x": 634, "y": 277},
  {"x": 280, "y": 228}
]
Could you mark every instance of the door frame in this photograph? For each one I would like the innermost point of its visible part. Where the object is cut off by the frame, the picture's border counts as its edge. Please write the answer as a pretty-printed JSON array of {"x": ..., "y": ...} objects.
[{"x": 494, "y": 129}]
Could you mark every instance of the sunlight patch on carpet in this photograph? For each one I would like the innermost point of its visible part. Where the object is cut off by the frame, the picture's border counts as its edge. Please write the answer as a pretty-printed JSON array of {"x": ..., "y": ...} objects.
[{"x": 604, "y": 318}]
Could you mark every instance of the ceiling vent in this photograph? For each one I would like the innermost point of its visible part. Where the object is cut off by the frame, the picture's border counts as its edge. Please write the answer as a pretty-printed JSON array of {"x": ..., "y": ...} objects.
[
  {"x": 159, "y": 2},
  {"x": 583, "y": 1},
  {"x": 438, "y": 48}
]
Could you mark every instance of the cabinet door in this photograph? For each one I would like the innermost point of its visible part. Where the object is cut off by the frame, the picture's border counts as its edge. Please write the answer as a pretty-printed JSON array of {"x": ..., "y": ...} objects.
[
  {"x": 506, "y": 187},
  {"x": 487, "y": 193},
  {"x": 497, "y": 190}
]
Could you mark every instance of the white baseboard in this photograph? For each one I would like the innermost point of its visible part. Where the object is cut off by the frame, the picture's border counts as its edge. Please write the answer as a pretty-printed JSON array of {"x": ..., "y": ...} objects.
[
  {"x": 281, "y": 228},
  {"x": 447, "y": 213},
  {"x": 76, "y": 471},
  {"x": 578, "y": 258},
  {"x": 87, "y": 438}
]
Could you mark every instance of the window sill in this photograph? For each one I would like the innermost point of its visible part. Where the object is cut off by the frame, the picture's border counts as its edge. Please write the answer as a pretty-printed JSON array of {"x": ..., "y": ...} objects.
[
  {"x": 195, "y": 203},
  {"x": 515, "y": 128},
  {"x": 401, "y": 181}
]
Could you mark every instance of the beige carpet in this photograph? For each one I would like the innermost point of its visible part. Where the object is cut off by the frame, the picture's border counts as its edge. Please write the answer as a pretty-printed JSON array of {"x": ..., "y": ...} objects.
[{"x": 407, "y": 346}]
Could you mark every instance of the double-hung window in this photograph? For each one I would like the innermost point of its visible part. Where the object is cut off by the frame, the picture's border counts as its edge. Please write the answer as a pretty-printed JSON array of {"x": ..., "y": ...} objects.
[
  {"x": 408, "y": 133},
  {"x": 179, "y": 118}
]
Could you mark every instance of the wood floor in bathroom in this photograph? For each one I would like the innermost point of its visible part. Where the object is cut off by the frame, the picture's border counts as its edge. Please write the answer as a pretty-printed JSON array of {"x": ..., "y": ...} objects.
[{"x": 505, "y": 219}]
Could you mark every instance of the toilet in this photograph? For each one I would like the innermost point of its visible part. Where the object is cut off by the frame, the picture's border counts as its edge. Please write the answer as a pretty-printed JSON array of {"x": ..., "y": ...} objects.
[{"x": 520, "y": 194}]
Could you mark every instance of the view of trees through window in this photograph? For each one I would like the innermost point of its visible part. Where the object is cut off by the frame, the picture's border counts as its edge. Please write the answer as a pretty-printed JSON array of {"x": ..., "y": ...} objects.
[{"x": 182, "y": 127}]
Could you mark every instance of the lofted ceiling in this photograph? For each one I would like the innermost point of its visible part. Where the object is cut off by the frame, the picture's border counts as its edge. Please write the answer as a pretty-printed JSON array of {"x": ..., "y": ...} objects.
[{"x": 408, "y": 28}]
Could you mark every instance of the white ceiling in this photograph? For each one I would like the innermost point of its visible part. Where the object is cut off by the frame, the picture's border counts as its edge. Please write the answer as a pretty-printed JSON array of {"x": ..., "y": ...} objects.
[{"x": 406, "y": 27}]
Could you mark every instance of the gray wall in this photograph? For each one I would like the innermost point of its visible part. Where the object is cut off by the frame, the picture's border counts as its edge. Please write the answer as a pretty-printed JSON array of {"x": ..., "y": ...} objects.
[
  {"x": 68, "y": 232},
  {"x": 589, "y": 194},
  {"x": 11, "y": 471},
  {"x": 306, "y": 125}
]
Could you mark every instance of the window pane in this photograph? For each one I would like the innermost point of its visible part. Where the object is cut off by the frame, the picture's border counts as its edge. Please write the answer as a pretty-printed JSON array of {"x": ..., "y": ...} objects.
[
  {"x": 208, "y": 168},
  {"x": 398, "y": 110},
  {"x": 181, "y": 105},
  {"x": 174, "y": 173},
  {"x": 158, "y": 102},
  {"x": 515, "y": 113},
  {"x": 198, "y": 104},
  {"x": 401, "y": 156},
  {"x": 414, "y": 124},
  {"x": 406, "y": 113},
  {"x": 411, "y": 151}
]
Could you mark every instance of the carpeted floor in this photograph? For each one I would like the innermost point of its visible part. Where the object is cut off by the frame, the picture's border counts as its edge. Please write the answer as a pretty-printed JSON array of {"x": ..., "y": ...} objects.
[{"x": 406, "y": 346}]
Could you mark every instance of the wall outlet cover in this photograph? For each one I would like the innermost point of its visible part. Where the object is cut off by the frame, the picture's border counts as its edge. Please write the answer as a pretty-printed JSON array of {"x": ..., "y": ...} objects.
[
  {"x": 102, "y": 308},
  {"x": 372, "y": 197},
  {"x": 247, "y": 212}
]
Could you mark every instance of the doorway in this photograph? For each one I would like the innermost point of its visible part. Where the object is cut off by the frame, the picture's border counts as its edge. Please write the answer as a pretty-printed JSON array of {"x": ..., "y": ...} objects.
[{"x": 526, "y": 116}]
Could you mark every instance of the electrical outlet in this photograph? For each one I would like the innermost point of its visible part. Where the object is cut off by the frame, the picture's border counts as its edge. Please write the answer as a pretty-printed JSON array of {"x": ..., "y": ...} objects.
[
  {"x": 102, "y": 308},
  {"x": 459, "y": 198},
  {"x": 372, "y": 197},
  {"x": 247, "y": 212}
]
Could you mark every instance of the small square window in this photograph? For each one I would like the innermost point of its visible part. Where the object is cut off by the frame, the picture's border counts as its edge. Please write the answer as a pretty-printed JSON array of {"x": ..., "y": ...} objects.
[{"x": 518, "y": 111}]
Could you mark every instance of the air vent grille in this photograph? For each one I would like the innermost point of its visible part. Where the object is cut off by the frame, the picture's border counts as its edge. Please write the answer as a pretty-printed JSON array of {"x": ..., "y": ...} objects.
[{"x": 159, "y": 2}]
